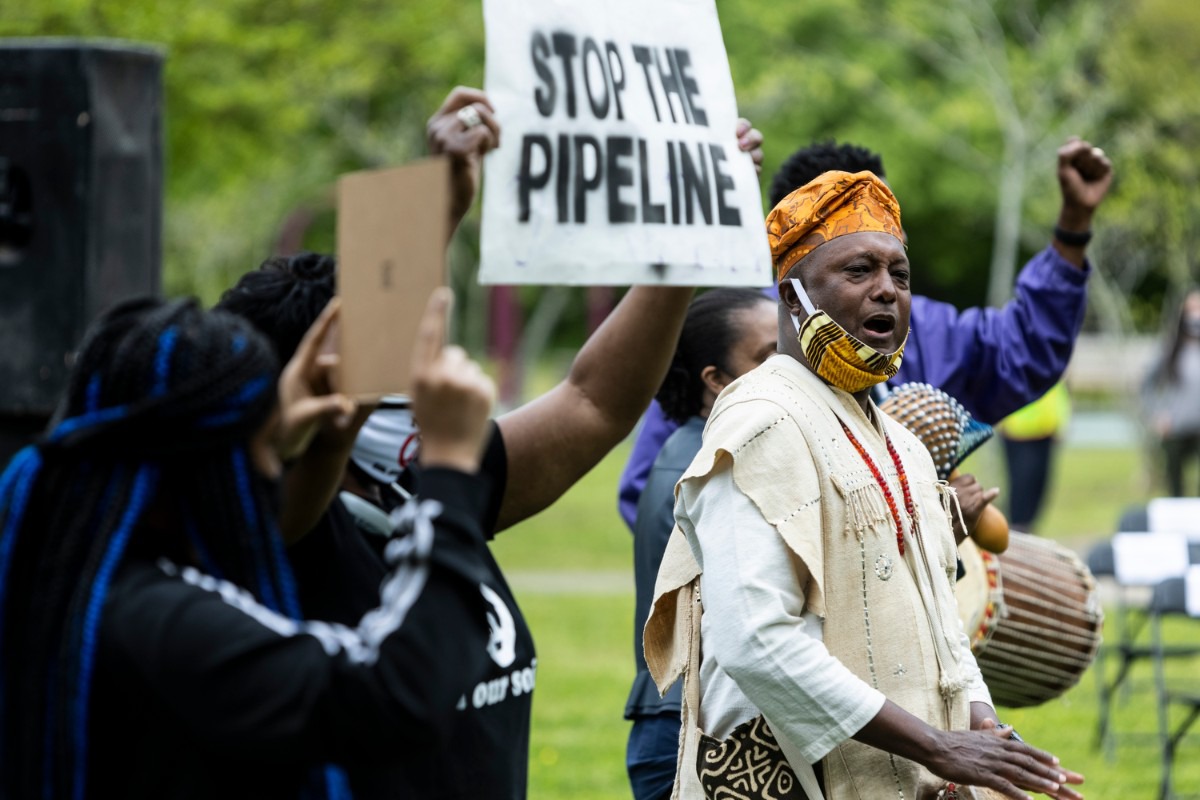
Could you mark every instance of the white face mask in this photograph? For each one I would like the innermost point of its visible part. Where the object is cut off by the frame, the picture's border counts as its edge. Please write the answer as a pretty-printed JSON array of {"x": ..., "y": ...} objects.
[{"x": 388, "y": 442}]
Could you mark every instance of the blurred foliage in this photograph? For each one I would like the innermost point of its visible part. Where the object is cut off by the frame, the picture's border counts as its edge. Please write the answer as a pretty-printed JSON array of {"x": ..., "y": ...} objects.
[{"x": 267, "y": 102}]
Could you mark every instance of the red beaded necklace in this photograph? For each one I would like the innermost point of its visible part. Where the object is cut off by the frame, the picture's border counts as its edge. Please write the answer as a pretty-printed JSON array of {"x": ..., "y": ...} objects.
[{"x": 887, "y": 492}]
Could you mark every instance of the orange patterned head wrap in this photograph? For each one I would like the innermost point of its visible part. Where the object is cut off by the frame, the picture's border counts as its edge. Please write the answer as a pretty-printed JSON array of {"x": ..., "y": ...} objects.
[{"x": 834, "y": 204}]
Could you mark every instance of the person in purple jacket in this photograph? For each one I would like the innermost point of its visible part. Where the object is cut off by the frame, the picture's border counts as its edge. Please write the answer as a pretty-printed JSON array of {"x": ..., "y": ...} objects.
[{"x": 991, "y": 360}]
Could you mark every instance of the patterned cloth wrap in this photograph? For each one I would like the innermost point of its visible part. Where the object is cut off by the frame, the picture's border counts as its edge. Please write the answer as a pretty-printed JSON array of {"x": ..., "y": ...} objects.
[
  {"x": 746, "y": 765},
  {"x": 831, "y": 205}
]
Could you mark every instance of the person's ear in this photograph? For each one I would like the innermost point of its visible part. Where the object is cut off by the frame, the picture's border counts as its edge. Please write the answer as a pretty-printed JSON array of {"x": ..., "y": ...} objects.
[
  {"x": 714, "y": 379},
  {"x": 789, "y": 298}
]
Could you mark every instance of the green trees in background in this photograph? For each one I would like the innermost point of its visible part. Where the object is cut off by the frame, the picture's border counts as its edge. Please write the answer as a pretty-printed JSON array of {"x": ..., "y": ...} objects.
[
  {"x": 967, "y": 100},
  {"x": 269, "y": 100},
  {"x": 1152, "y": 249}
]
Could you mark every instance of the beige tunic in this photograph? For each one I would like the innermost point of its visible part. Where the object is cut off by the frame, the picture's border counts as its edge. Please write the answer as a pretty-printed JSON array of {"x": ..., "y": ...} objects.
[{"x": 891, "y": 620}]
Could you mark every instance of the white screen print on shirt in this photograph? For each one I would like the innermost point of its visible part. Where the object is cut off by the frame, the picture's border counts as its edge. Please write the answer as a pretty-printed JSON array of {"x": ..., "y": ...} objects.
[
  {"x": 502, "y": 648},
  {"x": 502, "y": 644},
  {"x": 619, "y": 162},
  {"x": 398, "y": 594}
]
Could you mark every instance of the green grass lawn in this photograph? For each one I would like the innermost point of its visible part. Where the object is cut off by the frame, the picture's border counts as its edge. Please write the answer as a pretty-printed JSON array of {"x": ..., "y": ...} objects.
[
  {"x": 583, "y": 627},
  {"x": 584, "y": 670}
]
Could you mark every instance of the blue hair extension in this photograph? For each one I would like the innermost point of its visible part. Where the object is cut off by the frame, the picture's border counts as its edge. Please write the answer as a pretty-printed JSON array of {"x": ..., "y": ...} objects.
[
  {"x": 207, "y": 563},
  {"x": 94, "y": 415},
  {"x": 241, "y": 473},
  {"x": 139, "y": 498},
  {"x": 234, "y": 406},
  {"x": 72, "y": 424},
  {"x": 250, "y": 390},
  {"x": 162, "y": 361},
  {"x": 219, "y": 419},
  {"x": 282, "y": 567},
  {"x": 337, "y": 785},
  {"x": 239, "y": 343},
  {"x": 92, "y": 395},
  {"x": 15, "y": 487}
]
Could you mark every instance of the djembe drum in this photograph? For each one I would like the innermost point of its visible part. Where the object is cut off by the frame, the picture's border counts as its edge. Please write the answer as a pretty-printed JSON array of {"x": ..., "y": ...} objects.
[
  {"x": 950, "y": 434},
  {"x": 1032, "y": 615},
  {"x": 1029, "y": 607}
]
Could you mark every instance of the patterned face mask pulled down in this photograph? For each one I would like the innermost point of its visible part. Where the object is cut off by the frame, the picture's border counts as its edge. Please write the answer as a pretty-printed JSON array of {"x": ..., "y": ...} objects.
[{"x": 837, "y": 357}]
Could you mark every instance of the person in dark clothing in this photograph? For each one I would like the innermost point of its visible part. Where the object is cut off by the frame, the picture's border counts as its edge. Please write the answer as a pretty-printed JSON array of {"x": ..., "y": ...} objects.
[
  {"x": 1030, "y": 437},
  {"x": 553, "y": 440},
  {"x": 727, "y": 333},
  {"x": 151, "y": 639}
]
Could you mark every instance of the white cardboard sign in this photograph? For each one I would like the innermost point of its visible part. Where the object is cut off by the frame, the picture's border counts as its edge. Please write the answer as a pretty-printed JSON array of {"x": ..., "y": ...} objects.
[{"x": 618, "y": 162}]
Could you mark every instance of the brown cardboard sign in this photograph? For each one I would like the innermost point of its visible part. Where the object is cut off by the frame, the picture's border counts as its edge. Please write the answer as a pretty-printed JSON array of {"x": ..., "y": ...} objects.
[{"x": 391, "y": 233}]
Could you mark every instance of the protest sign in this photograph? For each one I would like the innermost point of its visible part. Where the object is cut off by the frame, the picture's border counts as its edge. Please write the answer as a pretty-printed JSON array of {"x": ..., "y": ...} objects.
[
  {"x": 618, "y": 161},
  {"x": 391, "y": 232}
]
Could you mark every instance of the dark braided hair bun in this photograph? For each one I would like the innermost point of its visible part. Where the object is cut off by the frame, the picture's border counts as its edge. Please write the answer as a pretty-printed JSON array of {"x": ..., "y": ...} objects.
[{"x": 284, "y": 297}]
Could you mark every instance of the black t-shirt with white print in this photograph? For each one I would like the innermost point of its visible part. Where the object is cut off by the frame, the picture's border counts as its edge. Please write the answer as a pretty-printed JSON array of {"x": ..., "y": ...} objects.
[
  {"x": 487, "y": 755},
  {"x": 202, "y": 692}
]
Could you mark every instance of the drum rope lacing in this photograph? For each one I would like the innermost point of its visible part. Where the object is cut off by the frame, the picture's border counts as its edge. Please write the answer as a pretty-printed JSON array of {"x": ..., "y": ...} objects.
[{"x": 1048, "y": 634}]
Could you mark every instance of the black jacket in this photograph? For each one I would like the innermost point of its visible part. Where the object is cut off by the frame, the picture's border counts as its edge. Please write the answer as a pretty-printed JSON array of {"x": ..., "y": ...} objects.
[{"x": 203, "y": 693}]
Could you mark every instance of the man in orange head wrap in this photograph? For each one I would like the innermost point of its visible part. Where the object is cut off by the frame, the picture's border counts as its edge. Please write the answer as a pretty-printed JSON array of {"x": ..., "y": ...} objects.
[
  {"x": 806, "y": 596},
  {"x": 840, "y": 204},
  {"x": 836, "y": 204}
]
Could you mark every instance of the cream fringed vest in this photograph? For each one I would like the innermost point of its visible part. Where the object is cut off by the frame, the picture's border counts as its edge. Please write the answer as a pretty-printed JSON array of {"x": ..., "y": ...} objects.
[{"x": 890, "y": 619}]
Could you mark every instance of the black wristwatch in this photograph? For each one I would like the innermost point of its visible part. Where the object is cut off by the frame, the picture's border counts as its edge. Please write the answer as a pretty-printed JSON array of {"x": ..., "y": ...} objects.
[{"x": 1072, "y": 238}]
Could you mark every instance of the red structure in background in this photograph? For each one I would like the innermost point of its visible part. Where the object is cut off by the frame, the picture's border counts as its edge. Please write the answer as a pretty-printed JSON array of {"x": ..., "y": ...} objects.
[
  {"x": 504, "y": 340},
  {"x": 600, "y": 302},
  {"x": 505, "y": 325}
]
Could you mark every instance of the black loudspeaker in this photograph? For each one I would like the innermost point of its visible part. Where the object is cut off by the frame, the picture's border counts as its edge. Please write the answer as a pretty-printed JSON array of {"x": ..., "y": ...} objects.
[{"x": 80, "y": 204}]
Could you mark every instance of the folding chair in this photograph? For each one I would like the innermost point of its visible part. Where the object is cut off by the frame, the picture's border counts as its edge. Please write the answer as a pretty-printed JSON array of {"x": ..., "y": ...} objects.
[
  {"x": 1134, "y": 519},
  {"x": 1173, "y": 597},
  {"x": 1140, "y": 561},
  {"x": 1174, "y": 515},
  {"x": 1119, "y": 639}
]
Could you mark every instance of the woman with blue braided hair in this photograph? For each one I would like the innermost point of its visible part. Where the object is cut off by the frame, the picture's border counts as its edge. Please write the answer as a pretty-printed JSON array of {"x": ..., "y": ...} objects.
[{"x": 151, "y": 643}]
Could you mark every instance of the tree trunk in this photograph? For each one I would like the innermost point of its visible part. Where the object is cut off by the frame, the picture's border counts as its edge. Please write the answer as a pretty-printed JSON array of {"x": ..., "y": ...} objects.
[{"x": 1009, "y": 198}]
